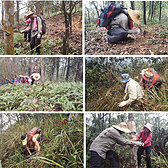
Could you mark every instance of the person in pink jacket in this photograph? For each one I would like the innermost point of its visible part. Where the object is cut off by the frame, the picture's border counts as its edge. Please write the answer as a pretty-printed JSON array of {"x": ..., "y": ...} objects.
[{"x": 145, "y": 136}]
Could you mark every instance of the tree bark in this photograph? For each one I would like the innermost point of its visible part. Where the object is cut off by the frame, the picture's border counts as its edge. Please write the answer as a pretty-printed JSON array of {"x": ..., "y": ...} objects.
[
  {"x": 8, "y": 28},
  {"x": 133, "y": 150}
]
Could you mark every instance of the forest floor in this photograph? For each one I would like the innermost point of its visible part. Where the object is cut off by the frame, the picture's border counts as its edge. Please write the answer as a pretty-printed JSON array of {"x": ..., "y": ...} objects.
[
  {"x": 54, "y": 24},
  {"x": 153, "y": 42}
]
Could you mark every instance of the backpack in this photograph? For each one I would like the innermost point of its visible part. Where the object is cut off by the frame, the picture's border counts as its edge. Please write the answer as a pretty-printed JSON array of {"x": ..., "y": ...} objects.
[
  {"x": 43, "y": 25},
  {"x": 154, "y": 77},
  {"x": 34, "y": 131},
  {"x": 116, "y": 35},
  {"x": 109, "y": 12}
]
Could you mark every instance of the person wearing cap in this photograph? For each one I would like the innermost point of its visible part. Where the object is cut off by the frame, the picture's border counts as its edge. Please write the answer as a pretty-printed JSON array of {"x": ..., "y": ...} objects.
[
  {"x": 145, "y": 136},
  {"x": 36, "y": 30},
  {"x": 132, "y": 89},
  {"x": 102, "y": 147},
  {"x": 124, "y": 20}
]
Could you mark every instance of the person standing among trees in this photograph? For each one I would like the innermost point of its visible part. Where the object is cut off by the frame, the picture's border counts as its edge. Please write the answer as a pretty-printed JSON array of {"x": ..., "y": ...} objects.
[
  {"x": 132, "y": 89},
  {"x": 102, "y": 147},
  {"x": 36, "y": 31},
  {"x": 27, "y": 33},
  {"x": 145, "y": 136}
]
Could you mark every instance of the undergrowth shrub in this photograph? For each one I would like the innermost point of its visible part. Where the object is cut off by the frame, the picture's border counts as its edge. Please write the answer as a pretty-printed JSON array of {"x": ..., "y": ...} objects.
[
  {"x": 62, "y": 144},
  {"x": 54, "y": 97}
]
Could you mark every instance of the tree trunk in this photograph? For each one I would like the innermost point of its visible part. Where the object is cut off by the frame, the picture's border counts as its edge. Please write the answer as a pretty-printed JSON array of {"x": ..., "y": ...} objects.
[
  {"x": 77, "y": 69},
  {"x": 68, "y": 69},
  {"x": 42, "y": 75},
  {"x": 58, "y": 64},
  {"x": 88, "y": 16},
  {"x": 133, "y": 150},
  {"x": 17, "y": 14},
  {"x": 160, "y": 13},
  {"x": 144, "y": 15},
  {"x": 2, "y": 11},
  {"x": 132, "y": 5},
  {"x": 8, "y": 28},
  {"x": 149, "y": 10},
  {"x": 93, "y": 2},
  {"x": 152, "y": 10},
  {"x": 37, "y": 9},
  {"x": 66, "y": 37}
]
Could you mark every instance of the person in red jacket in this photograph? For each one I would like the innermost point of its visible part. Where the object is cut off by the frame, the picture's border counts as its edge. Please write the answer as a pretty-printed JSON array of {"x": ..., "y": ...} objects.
[{"x": 145, "y": 136}]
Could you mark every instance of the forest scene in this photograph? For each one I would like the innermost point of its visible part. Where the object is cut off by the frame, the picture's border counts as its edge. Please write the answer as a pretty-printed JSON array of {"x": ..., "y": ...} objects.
[
  {"x": 58, "y": 87},
  {"x": 97, "y": 122},
  {"x": 62, "y": 33},
  {"x": 61, "y": 147},
  {"x": 153, "y": 39},
  {"x": 104, "y": 89}
]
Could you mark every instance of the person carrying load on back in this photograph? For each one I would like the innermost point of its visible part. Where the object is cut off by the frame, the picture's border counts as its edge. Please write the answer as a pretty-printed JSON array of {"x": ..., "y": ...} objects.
[
  {"x": 27, "y": 33},
  {"x": 118, "y": 21},
  {"x": 145, "y": 136},
  {"x": 150, "y": 78},
  {"x": 36, "y": 28},
  {"x": 132, "y": 89},
  {"x": 103, "y": 145},
  {"x": 32, "y": 140}
]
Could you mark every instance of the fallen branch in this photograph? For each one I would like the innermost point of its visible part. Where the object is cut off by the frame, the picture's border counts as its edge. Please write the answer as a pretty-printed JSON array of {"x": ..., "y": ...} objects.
[{"x": 8, "y": 80}]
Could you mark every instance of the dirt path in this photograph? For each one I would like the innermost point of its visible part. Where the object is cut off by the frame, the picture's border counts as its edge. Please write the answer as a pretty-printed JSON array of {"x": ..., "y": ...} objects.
[
  {"x": 153, "y": 42},
  {"x": 55, "y": 25}
]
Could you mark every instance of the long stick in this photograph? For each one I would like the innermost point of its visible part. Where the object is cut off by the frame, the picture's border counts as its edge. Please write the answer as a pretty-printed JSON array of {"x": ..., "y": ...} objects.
[{"x": 8, "y": 80}]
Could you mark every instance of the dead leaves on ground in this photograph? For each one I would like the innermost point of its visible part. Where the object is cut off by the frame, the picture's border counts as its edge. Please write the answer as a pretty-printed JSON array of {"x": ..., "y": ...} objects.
[{"x": 153, "y": 42}]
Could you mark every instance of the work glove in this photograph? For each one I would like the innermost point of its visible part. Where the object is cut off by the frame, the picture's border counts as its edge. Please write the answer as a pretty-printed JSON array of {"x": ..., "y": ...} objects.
[
  {"x": 143, "y": 144},
  {"x": 125, "y": 97},
  {"x": 22, "y": 31},
  {"x": 121, "y": 104},
  {"x": 138, "y": 143},
  {"x": 38, "y": 35}
]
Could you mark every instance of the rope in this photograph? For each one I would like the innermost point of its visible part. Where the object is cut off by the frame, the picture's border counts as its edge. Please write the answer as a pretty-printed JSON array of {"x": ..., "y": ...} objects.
[{"x": 52, "y": 37}]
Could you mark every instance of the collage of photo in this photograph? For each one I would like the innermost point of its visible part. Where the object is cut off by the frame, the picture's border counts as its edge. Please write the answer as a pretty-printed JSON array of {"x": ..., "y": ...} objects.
[{"x": 83, "y": 84}]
